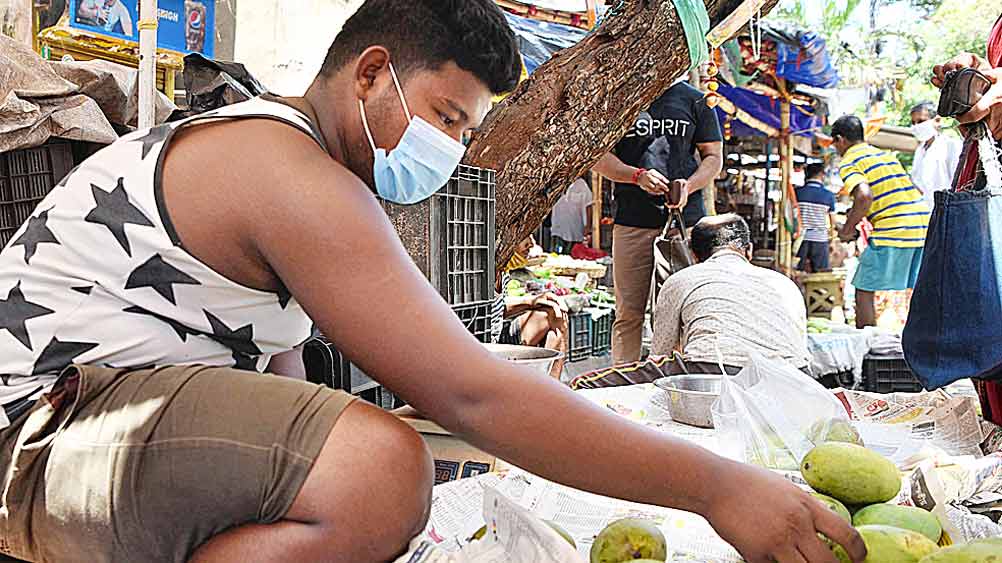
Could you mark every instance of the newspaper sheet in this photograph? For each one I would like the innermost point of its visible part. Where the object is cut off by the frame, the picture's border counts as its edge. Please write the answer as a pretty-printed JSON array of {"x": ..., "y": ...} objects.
[
  {"x": 908, "y": 427},
  {"x": 513, "y": 535},
  {"x": 940, "y": 491}
]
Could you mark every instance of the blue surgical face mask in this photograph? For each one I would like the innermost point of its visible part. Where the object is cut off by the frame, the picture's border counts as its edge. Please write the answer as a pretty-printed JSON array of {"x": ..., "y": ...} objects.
[{"x": 422, "y": 162}]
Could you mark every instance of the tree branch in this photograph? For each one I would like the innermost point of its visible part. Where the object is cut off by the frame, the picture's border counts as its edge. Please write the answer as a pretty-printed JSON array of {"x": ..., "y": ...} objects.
[{"x": 576, "y": 107}]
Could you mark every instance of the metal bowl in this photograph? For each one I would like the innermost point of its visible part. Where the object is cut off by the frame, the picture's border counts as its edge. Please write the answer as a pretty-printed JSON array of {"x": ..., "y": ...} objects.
[
  {"x": 539, "y": 360},
  {"x": 690, "y": 398}
]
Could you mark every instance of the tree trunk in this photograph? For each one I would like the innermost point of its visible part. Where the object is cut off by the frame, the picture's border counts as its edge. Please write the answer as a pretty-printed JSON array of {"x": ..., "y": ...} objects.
[{"x": 576, "y": 107}]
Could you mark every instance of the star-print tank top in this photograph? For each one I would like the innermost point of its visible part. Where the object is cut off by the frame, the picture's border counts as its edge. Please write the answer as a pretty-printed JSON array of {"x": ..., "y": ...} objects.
[{"x": 98, "y": 276}]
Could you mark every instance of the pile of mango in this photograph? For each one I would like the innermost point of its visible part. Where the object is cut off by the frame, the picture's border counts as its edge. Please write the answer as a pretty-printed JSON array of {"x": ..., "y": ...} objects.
[{"x": 857, "y": 483}]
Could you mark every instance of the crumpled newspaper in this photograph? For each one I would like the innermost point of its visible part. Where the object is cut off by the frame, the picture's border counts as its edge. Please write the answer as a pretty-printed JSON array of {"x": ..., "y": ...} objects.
[
  {"x": 114, "y": 87},
  {"x": 36, "y": 103}
]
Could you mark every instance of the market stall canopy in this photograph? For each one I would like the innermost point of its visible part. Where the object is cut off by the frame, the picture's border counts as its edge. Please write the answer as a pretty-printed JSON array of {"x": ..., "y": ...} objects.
[
  {"x": 539, "y": 40},
  {"x": 796, "y": 55},
  {"x": 756, "y": 114}
]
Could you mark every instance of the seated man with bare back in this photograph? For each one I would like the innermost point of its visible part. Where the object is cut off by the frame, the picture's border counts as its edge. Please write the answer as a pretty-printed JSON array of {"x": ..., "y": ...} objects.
[{"x": 142, "y": 301}]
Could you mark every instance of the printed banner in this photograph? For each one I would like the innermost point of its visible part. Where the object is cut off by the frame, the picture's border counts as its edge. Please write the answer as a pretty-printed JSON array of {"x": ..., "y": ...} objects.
[{"x": 185, "y": 26}]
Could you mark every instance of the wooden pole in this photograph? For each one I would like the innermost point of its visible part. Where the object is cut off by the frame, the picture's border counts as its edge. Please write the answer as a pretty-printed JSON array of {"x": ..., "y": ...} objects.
[
  {"x": 784, "y": 252},
  {"x": 147, "y": 63},
  {"x": 596, "y": 210}
]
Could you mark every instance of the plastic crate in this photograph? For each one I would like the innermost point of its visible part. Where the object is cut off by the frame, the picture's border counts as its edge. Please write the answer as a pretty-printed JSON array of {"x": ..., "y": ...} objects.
[
  {"x": 579, "y": 337},
  {"x": 477, "y": 318},
  {"x": 601, "y": 334},
  {"x": 325, "y": 365},
  {"x": 888, "y": 375},
  {"x": 451, "y": 236},
  {"x": 26, "y": 177}
]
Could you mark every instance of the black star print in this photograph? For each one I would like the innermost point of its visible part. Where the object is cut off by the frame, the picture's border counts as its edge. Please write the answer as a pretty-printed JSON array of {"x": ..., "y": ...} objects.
[
  {"x": 154, "y": 136},
  {"x": 115, "y": 211},
  {"x": 16, "y": 311},
  {"x": 37, "y": 233},
  {"x": 240, "y": 341},
  {"x": 58, "y": 354},
  {"x": 85, "y": 289},
  {"x": 284, "y": 296},
  {"x": 182, "y": 330},
  {"x": 159, "y": 275}
]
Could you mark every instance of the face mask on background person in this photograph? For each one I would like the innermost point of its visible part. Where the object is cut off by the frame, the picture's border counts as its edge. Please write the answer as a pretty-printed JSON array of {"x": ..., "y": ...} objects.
[
  {"x": 422, "y": 162},
  {"x": 925, "y": 130}
]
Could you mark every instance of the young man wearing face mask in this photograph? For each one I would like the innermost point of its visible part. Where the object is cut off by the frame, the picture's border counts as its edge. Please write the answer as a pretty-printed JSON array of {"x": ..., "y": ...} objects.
[
  {"x": 205, "y": 248},
  {"x": 937, "y": 156}
]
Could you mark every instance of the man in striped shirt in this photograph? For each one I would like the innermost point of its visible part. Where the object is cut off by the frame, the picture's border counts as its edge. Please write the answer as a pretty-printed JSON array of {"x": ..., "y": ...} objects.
[
  {"x": 884, "y": 194},
  {"x": 817, "y": 205}
]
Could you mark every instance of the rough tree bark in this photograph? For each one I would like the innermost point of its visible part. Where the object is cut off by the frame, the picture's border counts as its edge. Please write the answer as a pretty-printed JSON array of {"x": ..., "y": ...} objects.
[{"x": 576, "y": 107}]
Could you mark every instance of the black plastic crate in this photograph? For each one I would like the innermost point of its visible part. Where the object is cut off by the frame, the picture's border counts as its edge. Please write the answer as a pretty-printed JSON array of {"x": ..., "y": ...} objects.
[
  {"x": 601, "y": 334},
  {"x": 888, "y": 375},
  {"x": 477, "y": 318},
  {"x": 325, "y": 365},
  {"x": 451, "y": 235},
  {"x": 579, "y": 337},
  {"x": 26, "y": 177}
]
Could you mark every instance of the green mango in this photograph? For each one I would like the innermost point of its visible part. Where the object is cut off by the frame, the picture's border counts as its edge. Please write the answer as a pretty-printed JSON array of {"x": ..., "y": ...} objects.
[
  {"x": 980, "y": 551},
  {"x": 904, "y": 517},
  {"x": 562, "y": 533},
  {"x": 834, "y": 505},
  {"x": 850, "y": 473},
  {"x": 629, "y": 539},
  {"x": 834, "y": 430},
  {"x": 887, "y": 544}
]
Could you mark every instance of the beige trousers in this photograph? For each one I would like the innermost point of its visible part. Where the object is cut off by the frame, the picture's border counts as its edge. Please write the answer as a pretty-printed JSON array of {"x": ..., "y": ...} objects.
[{"x": 633, "y": 266}]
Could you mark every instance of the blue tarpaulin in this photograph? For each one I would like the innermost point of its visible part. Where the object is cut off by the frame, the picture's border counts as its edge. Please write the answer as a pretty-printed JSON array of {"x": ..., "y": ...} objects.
[
  {"x": 806, "y": 61},
  {"x": 539, "y": 40},
  {"x": 765, "y": 111}
]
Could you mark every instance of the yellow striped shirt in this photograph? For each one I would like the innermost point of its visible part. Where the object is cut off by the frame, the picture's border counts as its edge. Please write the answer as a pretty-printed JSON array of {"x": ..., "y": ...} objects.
[{"x": 899, "y": 214}]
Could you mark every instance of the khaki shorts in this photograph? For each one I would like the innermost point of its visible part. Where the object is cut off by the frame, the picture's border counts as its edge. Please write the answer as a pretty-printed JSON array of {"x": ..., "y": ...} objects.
[{"x": 147, "y": 465}]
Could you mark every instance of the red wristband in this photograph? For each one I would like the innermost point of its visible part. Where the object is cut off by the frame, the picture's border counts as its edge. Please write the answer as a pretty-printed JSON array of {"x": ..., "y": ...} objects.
[{"x": 636, "y": 175}]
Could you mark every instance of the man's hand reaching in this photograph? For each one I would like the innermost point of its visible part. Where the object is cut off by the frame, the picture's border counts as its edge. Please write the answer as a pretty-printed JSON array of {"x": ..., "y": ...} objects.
[{"x": 768, "y": 519}]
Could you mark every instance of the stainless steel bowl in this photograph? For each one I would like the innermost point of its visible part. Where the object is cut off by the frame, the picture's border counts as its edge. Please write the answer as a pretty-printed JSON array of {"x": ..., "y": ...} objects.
[
  {"x": 539, "y": 360},
  {"x": 690, "y": 398}
]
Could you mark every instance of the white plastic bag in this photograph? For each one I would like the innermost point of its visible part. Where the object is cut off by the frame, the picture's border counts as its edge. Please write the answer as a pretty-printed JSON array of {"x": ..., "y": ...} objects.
[{"x": 771, "y": 414}]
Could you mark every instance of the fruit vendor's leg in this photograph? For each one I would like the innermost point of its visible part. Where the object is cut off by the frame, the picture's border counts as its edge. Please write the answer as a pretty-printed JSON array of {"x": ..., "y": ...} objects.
[
  {"x": 557, "y": 339},
  {"x": 534, "y": 326},
  {"x": 368, "y": 494},
  {"x": 633, "y": 265},
  {"x": 866, "y": 308},
  {"x": 239, "y": 466}
]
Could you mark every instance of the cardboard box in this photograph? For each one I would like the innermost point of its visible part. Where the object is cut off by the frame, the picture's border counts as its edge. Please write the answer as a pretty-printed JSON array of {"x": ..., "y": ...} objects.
[{"x": 454, "y": 458}]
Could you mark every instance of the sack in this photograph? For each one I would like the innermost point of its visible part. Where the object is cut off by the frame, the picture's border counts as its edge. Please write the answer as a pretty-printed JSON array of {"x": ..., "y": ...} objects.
[
  {"x": 672, "y": 254},
  {"x": 771, "y": 414},
  {"x": 953, "y": 330}
]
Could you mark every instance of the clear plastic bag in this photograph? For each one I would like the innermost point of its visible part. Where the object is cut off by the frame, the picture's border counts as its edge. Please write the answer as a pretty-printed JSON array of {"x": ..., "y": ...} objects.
[{"x": 772, "y": 414}]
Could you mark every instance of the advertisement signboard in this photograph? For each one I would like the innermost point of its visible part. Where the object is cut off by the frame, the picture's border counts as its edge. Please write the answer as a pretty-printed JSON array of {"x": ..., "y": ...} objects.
[{"x": 185, "y": 26}]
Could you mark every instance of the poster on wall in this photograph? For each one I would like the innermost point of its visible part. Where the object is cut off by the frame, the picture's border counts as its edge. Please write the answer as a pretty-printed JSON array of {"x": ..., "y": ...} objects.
[{"x": 185, "y": 26}]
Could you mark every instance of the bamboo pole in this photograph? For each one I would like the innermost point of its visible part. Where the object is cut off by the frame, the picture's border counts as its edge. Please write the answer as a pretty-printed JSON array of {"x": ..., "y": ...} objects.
[
  {"x": 147, "y": 62},
  {"x": 784, "y": 245}
]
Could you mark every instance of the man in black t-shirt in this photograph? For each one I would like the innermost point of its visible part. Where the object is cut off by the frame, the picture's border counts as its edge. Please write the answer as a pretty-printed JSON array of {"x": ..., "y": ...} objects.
[{"x": 660, "y": 147}]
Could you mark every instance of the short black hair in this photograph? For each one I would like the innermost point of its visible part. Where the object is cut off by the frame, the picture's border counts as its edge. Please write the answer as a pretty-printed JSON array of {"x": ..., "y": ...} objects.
[
  {"x": 814, "y": 170},
  {"x": 926, "y": 107},
  {"x": 848, "y": 127},
  {"x": 425, "y": 34},
  {"x": 716, "y": 233}
]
